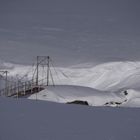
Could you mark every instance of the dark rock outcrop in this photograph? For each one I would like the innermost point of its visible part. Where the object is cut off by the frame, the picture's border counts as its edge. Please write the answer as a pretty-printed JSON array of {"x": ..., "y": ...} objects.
[{"x": 78, "y": 102}]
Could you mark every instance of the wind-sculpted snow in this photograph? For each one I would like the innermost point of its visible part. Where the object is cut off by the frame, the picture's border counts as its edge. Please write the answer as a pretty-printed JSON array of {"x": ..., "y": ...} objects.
[
  {"x": 109, "y": 79},
  {"x": 107, "y": 76},
  {"x": 133, "y": 98},
  {"x": 65, "y": 94}
]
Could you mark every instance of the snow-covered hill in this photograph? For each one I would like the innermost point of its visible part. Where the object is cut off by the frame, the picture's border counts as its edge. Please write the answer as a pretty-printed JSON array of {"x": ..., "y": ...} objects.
[
  {"x": 109, "y": 76},
  {"x": 98, "y": 85},
  {"x": 65, "y": 94},
  {"x": 69, "y": 94},
  {"x": 95, "y": 45},
  {"x": 106, "y": 76}
]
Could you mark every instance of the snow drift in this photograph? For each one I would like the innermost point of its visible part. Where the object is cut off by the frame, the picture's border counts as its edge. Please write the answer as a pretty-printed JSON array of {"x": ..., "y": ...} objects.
[
  {"x": 107, "y": 77},
  {"x": 69, "y": 94},
  {"x": 65, "y": 94},
  {"x": 99, "y": 85}
]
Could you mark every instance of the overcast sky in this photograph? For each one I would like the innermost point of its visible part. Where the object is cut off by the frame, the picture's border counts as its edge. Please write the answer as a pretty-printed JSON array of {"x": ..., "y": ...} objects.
[{"x": 70, "y": 31}]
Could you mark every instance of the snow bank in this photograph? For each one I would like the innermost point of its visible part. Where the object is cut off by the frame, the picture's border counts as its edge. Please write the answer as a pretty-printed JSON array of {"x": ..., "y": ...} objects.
[
  {"x": 133, "y": 98},
  {"x": 65, "y": 94},
  {"x": 108, "y": 78}
]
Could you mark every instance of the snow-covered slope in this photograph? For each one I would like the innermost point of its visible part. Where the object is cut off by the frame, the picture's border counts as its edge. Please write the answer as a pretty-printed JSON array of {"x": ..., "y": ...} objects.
[
  {"x": 65, "y": 94},
  {"x": 133, "y": 98},
  {"x": 107, "y": 76},
  {"x": 37, "y": 120},
  {"x": 109, "y": 80}
]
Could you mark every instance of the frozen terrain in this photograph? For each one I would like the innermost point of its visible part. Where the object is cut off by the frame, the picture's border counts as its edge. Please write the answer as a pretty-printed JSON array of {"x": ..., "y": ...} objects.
[
  {"x": 95, "y": 45},
  {"x": 68, "y": 94},
  {"x": 37, "y": 120},
  {"x": 107, "y": 76},
  {"x": 99, "y": 85}
]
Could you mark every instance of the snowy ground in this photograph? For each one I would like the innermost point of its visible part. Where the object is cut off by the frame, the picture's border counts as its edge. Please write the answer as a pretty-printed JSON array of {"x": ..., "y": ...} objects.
[
  {"x": 98, "y": 85},
  {"x": 37, "y": 120},
  {"x": 95, "y": 45},
  {"x": 65, "y": 94}
]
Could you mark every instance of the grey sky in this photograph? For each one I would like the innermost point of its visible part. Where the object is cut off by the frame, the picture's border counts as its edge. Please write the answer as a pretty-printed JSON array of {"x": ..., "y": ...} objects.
[{"x": 75, "y": 30}]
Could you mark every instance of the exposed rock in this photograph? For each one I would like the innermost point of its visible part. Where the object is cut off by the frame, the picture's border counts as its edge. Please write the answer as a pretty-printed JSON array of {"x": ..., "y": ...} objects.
[{"x": 78, "y": 102}]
